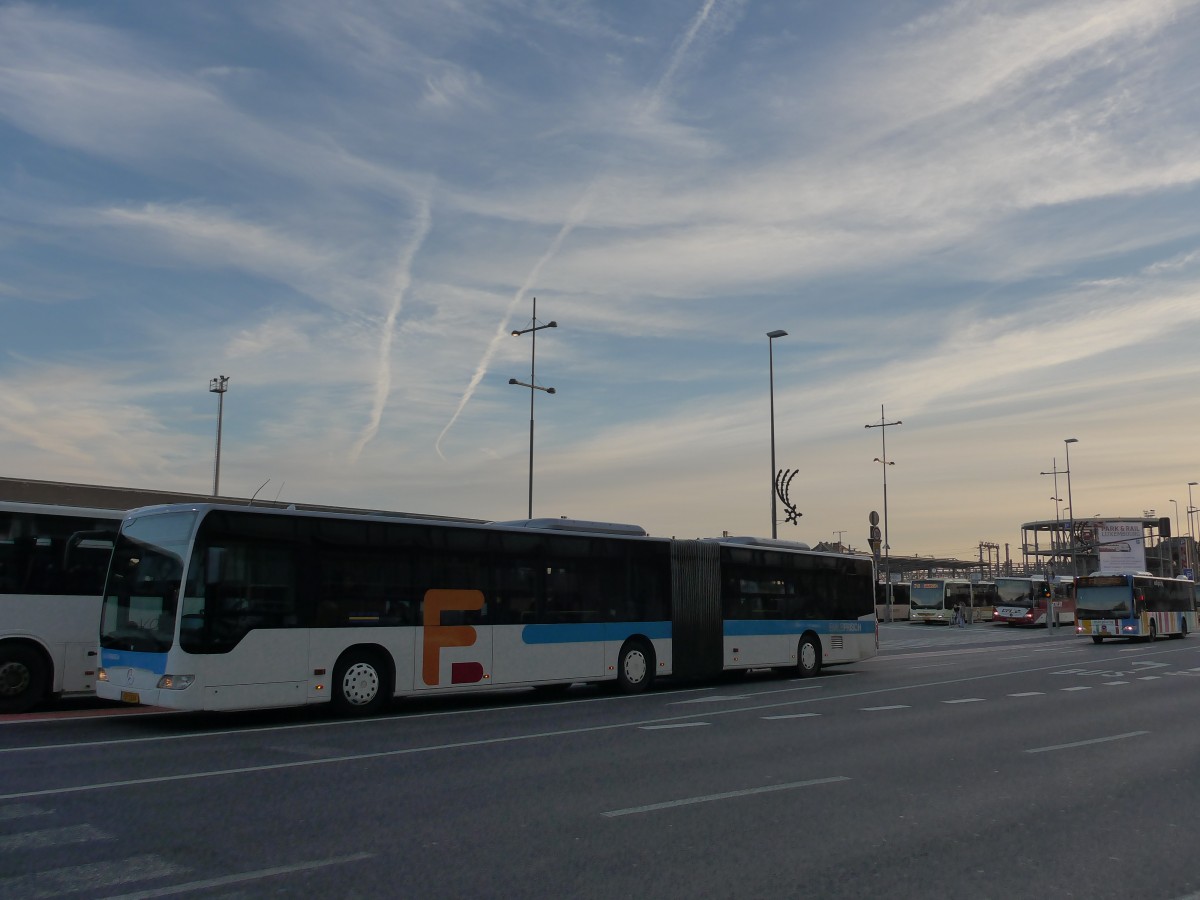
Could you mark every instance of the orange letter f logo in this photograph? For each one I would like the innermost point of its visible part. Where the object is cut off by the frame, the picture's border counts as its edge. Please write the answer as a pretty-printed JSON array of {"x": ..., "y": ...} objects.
[{"x": 438, "y": 635}]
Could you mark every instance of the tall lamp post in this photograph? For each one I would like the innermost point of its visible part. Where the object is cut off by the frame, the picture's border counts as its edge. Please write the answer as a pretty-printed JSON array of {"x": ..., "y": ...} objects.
[
  {"x": 1054, "y": 470},
  {"x": 533, "y": 329},
  {"x": 1191, "y": 534},
  {"x": 1071, "y": 509},
  {"x": 882, "y": 425},
  {"x": 218, "y": 386},
  {"x": 1178, "y": 535},
  {"x": 771, "y": 335}
]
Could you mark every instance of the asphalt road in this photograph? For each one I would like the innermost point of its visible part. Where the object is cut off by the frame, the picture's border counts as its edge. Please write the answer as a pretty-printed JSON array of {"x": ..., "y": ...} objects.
[{"x": 978, "y": 762}]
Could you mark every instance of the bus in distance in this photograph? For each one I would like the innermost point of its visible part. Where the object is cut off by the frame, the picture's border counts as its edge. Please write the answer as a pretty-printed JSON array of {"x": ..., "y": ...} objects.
[
  {"x": 218, "y": 607},
  {"x": 935, "y": 599},
  {"x": 1023, "y": 601},
  {"x": 52, "y": 565},
  {"x": 1134, "y": 606},
  {"x": 900, "y": 600}
]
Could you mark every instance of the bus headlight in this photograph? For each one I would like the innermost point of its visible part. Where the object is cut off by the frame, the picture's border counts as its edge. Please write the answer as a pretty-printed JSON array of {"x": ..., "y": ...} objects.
[{"x": 176, "y": 682}]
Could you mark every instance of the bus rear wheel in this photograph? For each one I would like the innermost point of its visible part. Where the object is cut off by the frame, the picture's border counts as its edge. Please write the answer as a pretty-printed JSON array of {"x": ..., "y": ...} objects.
[
  {"x": 808, "y": 657},
  {"x": 23, "y": 678},
  {"x": 360, "y": 683},
  {"x": 1153, "y": 635},
  {"x": 1182, "y": 632},
  {"x": 1096, "y": 639},
  {"x": 635, "y": 666}
]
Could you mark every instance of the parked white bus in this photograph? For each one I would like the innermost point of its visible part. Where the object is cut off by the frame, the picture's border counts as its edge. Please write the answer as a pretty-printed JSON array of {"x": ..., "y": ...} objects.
[
  {"x": 218, "y": 607},
  {"x": 52, "y": 565}
]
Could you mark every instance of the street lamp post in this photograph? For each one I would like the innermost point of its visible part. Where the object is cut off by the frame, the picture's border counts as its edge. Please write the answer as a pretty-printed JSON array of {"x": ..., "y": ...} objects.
[
  {"x": 1071, "y": 507},
  {"x": 218, "y": 386},
  {"x": 533, "y": 329},
  {"x": 1178, "y": 535},
  {"x": 882, "y": 425},
  {"x": 771, "y": 335},
  {"x": 1191, "y": 542},
  {"x": 1054, "y": 470}
]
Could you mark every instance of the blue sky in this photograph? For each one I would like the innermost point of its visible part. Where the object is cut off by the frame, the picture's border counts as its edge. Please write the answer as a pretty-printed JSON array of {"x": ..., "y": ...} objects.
[{"x": 982, "y": 215}]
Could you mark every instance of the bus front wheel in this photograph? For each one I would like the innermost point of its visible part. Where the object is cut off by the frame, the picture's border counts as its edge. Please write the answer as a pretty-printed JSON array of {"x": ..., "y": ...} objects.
[
  {"x": 808, "y": 662},
  {"x": 23, "y": 678},
  {"x": 635, "y": 666},
  {"x": 360, "y": 683},
  {"x": 1096, "y": 639}
]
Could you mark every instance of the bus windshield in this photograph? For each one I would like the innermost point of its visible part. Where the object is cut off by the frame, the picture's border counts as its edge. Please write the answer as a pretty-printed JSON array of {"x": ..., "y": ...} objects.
[
  {"x": 1108, "y": 602},
  {"x": 142, "y": 590},
  {"x": 926, "y": 595},
  {"x": 1017, "y": 591}
]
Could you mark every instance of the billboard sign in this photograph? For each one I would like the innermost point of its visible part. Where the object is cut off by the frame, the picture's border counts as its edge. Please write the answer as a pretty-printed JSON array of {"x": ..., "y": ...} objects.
[{"x": 1121, "y": 547}]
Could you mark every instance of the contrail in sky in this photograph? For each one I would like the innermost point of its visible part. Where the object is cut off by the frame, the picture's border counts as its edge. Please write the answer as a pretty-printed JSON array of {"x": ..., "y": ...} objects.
[
  {"x": 577, "y": 214},
  {"x": 383, "y": 375}
]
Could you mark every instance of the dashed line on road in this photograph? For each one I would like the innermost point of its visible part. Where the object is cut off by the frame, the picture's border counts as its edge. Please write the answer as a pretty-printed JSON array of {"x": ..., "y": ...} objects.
[{"x": 726, "y": 795}]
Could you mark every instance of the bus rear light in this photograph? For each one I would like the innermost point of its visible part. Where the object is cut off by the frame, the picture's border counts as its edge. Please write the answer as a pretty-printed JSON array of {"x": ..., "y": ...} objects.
[
  {"x": 176, "y": 682},
  {"x": 101, "y": 675}
]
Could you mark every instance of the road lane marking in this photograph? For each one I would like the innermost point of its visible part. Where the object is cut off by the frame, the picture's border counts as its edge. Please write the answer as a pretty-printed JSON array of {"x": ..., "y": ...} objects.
[
  {"x": 1078, "y": 687},
  {"x": 965, "y": 700},
  {"x": 1110, "y": 683},
  {"x": 1029, "y": 694},
  {"x": 792, "y": 716},
  {"x": 90, "y": 877},
  {"x": 717, "y": 699},
  {"x": 673, "y": 725},
  {"x": 882, "y": 708},
  {"x": 1102, "y": 740},
  {"x": 52, "y": 837},
  {"x": 242, "y": 877},
  {"x": 727, "y": 795}
]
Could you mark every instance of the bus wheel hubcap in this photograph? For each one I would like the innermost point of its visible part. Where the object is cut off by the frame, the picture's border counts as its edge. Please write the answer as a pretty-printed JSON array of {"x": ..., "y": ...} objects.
[
  {"x": 14, "y": 678},
  {"x": 808, "y": 656},
  {"x": 635, "y": 667},
  {"x": 360, "y": 684}
]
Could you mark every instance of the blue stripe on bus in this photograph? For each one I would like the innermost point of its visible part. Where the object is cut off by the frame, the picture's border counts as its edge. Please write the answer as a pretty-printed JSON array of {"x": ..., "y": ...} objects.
[
  {"x": 592, "y": 632},
  {"x": 135, "y": 659},
  {"x": 758, "y": 627}
]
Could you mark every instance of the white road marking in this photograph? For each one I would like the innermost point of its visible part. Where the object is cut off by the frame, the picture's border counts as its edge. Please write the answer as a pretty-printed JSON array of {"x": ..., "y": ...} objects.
[
  {"x": 1029, "y": 694},
  {"x": 1078, "y": 687},
  {"x": 793, "y": 716},
  {"x": 966, "y": 700},
  {"x": 1103, "y": 740},
  {"x": 673, "y": 725},
  {"x": 727, "y": 795},
  {"x": 242, "y": 877},
  {"x": 882, "y": 708},
  {"x": 52, "y": 837},
  {"x": 92, "y": 877}
]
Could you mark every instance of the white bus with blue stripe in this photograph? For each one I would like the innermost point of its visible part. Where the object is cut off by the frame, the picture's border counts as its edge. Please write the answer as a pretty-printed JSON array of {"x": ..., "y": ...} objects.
[{"x": 220, "y": 607}]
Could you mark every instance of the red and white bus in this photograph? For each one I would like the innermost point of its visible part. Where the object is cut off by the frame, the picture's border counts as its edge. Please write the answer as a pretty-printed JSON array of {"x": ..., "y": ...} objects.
[{"x": 1025, "y": 601}]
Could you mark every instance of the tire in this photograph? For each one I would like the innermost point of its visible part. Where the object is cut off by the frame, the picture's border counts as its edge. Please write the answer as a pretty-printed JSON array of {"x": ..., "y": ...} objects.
[
  {"x": 635, "y": 666},
  {"x": 808, "y": 657},
  {"x": 1097, "y": 639},
  {"x": 1153, "y": 635},
  {"x": 1182, "y": 633},
  {"x": 361, "y": 683},
  {"x": 24, "y": 678}
]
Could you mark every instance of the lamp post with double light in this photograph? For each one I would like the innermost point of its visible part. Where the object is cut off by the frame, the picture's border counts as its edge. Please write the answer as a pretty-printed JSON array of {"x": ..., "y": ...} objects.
[
  {"x": 1071, "y": 507},
  {"x": 882, "y": 425},
  {"x": 533, "y": 386},
  {"x": 771, "y": 336},
  {"x": 218, "y": 386}
]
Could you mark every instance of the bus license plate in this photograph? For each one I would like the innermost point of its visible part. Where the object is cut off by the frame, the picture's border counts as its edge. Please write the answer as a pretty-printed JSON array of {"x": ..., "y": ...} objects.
[{"x": 130, "y": 697}]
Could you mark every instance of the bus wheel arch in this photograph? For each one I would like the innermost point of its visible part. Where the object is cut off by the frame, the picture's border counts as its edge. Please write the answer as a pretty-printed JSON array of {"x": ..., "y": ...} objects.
[
  {"x": 362, "y": 680},
  {"x": 25, "y": 676},
  {"x": 1182, "y": 632},
  {"x": 808, "y": 655},
  {"x": 635, "y": 665}
]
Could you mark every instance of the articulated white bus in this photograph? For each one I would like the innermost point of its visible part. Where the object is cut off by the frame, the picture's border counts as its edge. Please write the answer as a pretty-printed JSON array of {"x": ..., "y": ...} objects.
[
  {"x": 52, "y": 565},
  {"x": 220, "y": 607}
]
